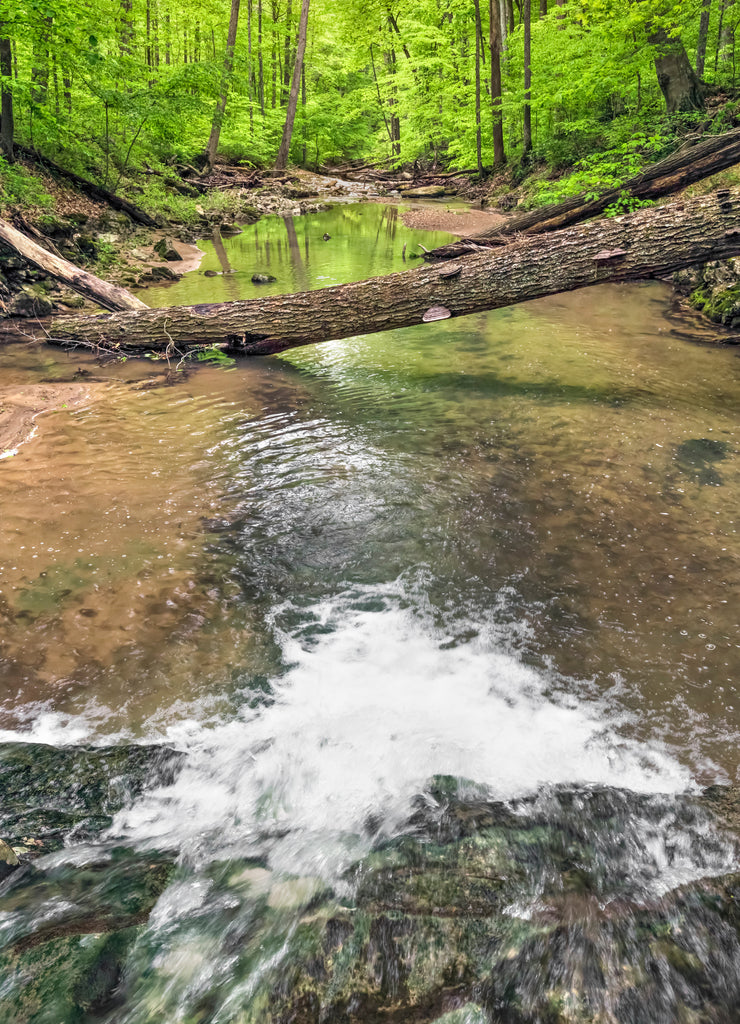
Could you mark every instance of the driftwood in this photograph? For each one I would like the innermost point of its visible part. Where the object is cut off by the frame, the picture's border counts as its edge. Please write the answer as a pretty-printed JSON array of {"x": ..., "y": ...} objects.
[
  {"x": 106, "y": 295},
  {"x": 90, "y": 189},
  {"x": 644, "y": 244}
]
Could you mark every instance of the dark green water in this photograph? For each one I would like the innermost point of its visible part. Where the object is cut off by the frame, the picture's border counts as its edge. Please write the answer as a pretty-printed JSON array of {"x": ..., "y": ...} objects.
[{"x": 501, "y": 548}]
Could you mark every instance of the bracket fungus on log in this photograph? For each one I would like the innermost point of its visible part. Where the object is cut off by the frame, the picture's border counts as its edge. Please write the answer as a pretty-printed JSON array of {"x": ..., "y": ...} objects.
[{"x": 436, "y": 313}]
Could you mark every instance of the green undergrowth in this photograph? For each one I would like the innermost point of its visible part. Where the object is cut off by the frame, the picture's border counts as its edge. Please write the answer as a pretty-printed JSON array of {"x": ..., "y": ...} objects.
[
  {"x": 621, "y": 150},
  {"x": 20, "y": 188},
  {"x": 160, "y": 200}
]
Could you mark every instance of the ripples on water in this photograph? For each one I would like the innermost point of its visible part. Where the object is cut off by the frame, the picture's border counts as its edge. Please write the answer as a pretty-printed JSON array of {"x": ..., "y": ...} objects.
[{"x": 501, "y": 548}]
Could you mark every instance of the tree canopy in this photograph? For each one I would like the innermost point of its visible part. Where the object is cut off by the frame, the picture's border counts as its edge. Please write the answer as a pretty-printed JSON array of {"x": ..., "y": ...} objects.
[{"x": 108, "y": 85}]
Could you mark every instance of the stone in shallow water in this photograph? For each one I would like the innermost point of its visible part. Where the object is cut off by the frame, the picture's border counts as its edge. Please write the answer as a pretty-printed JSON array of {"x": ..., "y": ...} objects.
[
  {"x": 263, "y": 278},
  {"x": 52, "y": 795},
  {"x": 696, "y": 457},
  {"x": 562, "y": 907}
]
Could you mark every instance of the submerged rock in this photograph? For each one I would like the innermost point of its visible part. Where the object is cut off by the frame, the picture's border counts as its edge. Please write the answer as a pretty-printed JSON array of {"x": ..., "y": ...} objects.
[
  {"x": 696, "y": 458},
  {"x": 263, "y": 279},
  {"x": 8, "y": 860},
  {"x": 573, "y": 906},
  {"x": 54, "y": 795}
]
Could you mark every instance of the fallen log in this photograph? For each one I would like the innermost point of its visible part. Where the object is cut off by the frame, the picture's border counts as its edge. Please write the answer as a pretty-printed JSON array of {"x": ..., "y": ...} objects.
[
  {"x": 92, "y": 190},
  {"x": 692, "y": 162},
  {"x": 106, "y": 295},
  {"x": 644, "y": 244}
]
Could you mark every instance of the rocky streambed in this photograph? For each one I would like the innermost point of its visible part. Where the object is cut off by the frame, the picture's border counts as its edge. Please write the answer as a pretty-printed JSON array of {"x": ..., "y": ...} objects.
[{"x": 575, "y": 904}]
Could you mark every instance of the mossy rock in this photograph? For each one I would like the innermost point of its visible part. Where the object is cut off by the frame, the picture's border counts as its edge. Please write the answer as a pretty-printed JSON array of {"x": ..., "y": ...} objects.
[
  {"x": 722, "y": 307},
  {"x": 30, "y": 301},
  {"x": 53, "y": 794},
  {"x": 530, "y": 913},
  {"x": 69, "y": 980}
]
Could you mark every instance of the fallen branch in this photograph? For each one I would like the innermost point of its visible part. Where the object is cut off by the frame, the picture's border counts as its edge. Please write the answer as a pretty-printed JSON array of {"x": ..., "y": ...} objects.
[
  {"x": 109, "y": 296},
  {"x": 648, "y": 243},
  {"x": 692, "y": 162}
]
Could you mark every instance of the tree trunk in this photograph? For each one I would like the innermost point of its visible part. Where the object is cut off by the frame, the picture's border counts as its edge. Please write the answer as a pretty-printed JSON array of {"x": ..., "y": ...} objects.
[
  {"x": 126, "y": 37},
  {"x": 106, "y": 295},
  {"x": 494, "y": 50},
  {"x": 691, "y": 163},
  {"x": 726, "y": 35},
  {"x": 218, "y": 117},
  {"x": 40, "y": 69},
  {"x": 701, "y": 43},
  {"x": 7, "y": 131},
  {"x": 678, "y": 82},
  {"x": 527, "y": 113},
  {"x": 478, "y": 138},
  {"x": 260, "y": 61},
  {"x": 282, "y": 157},
  {"x": 647, "y": 243},
  {"x": 543, "y": 8},
  {"x": 286, "y": 58}
]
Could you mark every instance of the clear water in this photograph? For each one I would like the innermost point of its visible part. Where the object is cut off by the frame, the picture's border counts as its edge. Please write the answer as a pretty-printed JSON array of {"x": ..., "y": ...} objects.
[{"x": 502, "y": 547}]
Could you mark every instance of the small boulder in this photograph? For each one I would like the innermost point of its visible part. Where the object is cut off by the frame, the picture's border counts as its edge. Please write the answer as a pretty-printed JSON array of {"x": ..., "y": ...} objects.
[
  {"x": 426, "y": 192},
  {"x": 30, "y": 301},
  {"x": 230, "y": 230},
  {"x": 263, "y": 279},
  {"x": 163, "y": 274},
  {"x": 211, "y": 273},
  {"x": 165, "y": 249},
  {"x": 72, "y": 301}
]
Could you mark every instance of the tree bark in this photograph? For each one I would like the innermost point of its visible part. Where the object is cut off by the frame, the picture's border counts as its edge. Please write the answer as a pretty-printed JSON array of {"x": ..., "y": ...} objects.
[
  {"x": 494, "y": 50},
  {"x": 527, "y": 113},
  {"x": 478, "y": 38},
  {"x": 681, "y": 88},
  {"x": 218, "y": 117},
  {"x": 689, "y": 164},
  {"x": 282, "y": 157},
  {"x": 647, "y": 243},
  {"x": 106, "y": 295},
  {"x": 701, "y": 43},
  {"x": 7, "y": 130}
]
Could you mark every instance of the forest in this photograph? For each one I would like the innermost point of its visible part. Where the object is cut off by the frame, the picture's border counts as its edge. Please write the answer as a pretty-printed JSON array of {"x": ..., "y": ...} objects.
[{"x": 116, "y": 92}]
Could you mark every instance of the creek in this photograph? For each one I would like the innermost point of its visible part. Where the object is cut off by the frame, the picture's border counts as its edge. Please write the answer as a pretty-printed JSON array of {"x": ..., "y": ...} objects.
[{"x": 442, "y": 625}]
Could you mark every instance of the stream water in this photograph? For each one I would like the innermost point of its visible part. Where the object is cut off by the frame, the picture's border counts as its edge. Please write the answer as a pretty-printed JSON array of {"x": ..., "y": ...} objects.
[{"x": 500, "y": 549}]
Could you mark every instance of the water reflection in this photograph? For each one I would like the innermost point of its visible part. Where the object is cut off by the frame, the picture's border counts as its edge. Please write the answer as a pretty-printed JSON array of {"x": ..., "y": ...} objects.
[{"x": 364, "y": 241}]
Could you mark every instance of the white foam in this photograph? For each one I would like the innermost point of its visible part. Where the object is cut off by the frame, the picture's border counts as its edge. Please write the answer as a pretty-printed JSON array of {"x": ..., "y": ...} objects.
[
  {"x": 365, "y": 715},
  {"x": 40, "y": 724}
]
